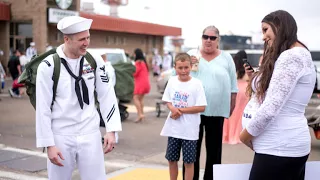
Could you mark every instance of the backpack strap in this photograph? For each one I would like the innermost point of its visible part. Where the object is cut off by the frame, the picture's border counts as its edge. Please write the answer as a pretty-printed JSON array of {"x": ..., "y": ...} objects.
[
  {"x": 56, "y": 75},
  {"x": 91, "y": 60},
  {"x": 93, "y": 64}
]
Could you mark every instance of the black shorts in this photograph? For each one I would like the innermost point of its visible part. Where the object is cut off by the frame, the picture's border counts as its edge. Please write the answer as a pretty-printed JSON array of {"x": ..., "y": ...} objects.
[{"x": 189, "y": 150}]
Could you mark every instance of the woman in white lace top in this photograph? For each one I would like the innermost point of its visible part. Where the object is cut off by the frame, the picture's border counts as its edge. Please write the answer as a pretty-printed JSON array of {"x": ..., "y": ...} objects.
[{"x": 274, "y": 123}]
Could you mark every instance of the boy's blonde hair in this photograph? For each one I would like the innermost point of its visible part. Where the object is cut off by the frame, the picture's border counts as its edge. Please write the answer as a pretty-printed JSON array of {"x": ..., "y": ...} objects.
[{"x": 182, "y": 57}]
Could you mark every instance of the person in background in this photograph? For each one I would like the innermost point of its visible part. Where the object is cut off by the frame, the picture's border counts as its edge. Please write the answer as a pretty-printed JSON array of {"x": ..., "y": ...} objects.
[
  {"x": 185, "y": 99},
  {"x": 2, "y": 77},
  {"x": 233, "y": 125},
  {"x": 167, "y": 61},
  {"x": 15, "y": 71},
  {"x": 217, "y": 72},
  {"x": 275, "y": 126},
  {"x": 23, "y": 60},
  {"x": 31, "y": 51},
  {"x": 141, "y": 83},
  {"x": 149, "y": 58},
  {"x": 156, "y": 63},
  {"x": 48, "y": 47}
]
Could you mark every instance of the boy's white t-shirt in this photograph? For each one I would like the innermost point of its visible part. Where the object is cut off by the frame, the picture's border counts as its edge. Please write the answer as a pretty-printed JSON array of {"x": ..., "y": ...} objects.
[{"x": 183, "y": 94}]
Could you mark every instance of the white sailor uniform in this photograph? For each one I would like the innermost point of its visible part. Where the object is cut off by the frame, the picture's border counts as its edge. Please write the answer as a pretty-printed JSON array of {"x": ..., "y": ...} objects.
[{"x": 74, "y": 131}]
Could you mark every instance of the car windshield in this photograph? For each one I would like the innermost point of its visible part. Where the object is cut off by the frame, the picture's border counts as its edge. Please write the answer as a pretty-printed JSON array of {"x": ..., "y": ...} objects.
[
  {"x": 315, "y": 55},
  {"x": 253, "y": 59},
  {"x": 115, "y": 58}
]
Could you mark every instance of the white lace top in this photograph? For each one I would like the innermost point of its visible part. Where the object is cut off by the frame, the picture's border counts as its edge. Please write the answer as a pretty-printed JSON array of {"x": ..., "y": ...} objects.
[{"x": 279, "y": 125}]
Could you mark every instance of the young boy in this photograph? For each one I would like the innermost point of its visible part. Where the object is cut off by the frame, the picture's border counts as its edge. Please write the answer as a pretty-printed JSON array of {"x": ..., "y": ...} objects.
[
  {"x": 2, "y": 77},
  {"x": 185, "y": 99}
]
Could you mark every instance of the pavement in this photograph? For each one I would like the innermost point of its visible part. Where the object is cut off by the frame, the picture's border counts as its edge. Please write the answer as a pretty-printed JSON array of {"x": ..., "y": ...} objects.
[{"x": 139, "y": 155}]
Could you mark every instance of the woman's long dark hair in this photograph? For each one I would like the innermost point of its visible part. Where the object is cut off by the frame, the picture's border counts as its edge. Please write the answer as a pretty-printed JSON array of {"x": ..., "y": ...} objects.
[
  {"x": 238, "y": 61},
  {"x": 139, "y": 56},
  {"x": 285, "y": 30}
]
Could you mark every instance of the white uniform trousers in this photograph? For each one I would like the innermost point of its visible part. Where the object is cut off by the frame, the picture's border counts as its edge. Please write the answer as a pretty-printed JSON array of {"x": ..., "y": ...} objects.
[{"x": 82, "y": 151}]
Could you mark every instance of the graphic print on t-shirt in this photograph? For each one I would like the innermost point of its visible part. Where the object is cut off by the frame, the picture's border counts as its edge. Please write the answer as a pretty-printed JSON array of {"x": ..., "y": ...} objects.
[{"x": 180, "y": 99}]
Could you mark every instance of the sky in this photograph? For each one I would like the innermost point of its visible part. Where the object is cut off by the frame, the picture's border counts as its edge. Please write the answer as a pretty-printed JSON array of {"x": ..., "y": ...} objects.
[{"x": 238, "y": 17}]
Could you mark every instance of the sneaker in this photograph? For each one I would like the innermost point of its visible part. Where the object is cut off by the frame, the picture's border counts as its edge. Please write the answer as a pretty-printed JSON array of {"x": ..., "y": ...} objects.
[{"x": 11, "y": 92}]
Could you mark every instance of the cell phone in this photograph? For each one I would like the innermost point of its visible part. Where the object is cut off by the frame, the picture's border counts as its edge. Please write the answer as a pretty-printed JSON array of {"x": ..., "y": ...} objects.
[{"x": 245, "y": 61}]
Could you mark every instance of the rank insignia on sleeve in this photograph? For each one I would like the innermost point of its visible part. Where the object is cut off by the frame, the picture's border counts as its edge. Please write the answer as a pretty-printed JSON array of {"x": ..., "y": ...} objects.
[
  {"x": 104, "y": 78},
  {"x": 103, "y": 68},
  {"x": 47, "y": 62}
]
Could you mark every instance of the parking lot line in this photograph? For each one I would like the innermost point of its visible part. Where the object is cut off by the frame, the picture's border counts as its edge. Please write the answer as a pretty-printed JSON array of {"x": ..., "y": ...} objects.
[
  {"x": 145, "y": 174},
  {"x": 12, "y": 175}
]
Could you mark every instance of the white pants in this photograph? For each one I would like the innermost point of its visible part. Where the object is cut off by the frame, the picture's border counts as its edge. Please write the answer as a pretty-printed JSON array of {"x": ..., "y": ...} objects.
[{"x": 84, "y": 152}]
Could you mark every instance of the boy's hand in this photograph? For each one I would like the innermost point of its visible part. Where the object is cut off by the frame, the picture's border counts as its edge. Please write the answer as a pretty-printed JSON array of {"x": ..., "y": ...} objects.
[{"x": 175, "y": 113}]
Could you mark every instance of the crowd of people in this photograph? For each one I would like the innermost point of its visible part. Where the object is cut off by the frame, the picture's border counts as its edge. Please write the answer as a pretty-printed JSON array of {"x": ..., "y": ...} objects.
[
  {"x": 213, "y": 96},
  {"x": 263, "y": 109}
]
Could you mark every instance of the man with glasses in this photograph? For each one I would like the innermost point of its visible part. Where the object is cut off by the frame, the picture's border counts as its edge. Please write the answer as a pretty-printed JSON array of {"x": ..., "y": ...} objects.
[{"x": 217, "y": 72}]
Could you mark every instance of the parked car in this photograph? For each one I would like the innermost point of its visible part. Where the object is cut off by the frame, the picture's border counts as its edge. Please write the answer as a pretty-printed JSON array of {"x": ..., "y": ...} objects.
[
  {"x": 253, "y": 56},
  {"x": 115, "y": 56},
  {"x": 316, "y": 61}
]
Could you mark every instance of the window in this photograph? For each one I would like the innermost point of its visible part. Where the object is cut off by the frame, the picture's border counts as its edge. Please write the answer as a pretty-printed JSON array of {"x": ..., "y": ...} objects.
[
  {"x": 108, "y": 39},
  {"x": 115, "y": 40},
  {"x": 25, "y": 30},
  {"x": 315, "y": 55},
  {"x": 115, "y": 58},
  {"x": 143, "y": 41},
  {"x": 123, "y": 41},
  {"x": 59, "y": 36}
]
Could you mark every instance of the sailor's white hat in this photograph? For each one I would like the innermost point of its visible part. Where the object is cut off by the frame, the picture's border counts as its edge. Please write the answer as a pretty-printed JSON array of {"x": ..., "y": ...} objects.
[
  {"x": 74, "y": 24},
  {"x": 32, "y": 44}
]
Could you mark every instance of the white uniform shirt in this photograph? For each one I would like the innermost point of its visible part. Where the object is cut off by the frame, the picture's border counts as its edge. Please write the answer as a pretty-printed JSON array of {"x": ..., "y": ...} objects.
[
  {"x": 30, "y": 52},
  {"x": 66, "y": 117},
  {"x": 23, "y": 60},
  {"x": 279, "y": 126},
  {"x": 183, "y": 94},
  {"x": 111, "y": 72},
  {"x": 167, "y": 62},
  {"x": 2, "y": 73}
]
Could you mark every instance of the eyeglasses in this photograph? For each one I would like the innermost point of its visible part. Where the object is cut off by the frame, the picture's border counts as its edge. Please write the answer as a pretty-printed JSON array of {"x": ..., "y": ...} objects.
[{"x": 212, "y": 38}]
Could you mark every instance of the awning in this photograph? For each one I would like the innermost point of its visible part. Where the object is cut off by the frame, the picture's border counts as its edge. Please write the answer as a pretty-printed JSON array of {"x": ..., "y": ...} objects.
[
  {"x": 4, "y": 11},
  {"x": 108, "y": 23}
]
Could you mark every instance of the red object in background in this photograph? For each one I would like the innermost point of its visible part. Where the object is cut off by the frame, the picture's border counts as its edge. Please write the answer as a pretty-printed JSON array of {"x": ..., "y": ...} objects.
[
  {"x": 15, "y": 84},
  {"x": 4, "y": 11},
  {"x": 317, "y": 133}
]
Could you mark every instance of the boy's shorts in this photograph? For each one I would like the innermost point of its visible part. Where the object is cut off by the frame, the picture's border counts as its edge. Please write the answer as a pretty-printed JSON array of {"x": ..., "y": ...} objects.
[{"x": 189, "y": 150}]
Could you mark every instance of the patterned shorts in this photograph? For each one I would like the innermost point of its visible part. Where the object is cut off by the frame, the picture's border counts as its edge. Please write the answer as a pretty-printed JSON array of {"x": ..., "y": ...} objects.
[{"x": 189, "y": 150}]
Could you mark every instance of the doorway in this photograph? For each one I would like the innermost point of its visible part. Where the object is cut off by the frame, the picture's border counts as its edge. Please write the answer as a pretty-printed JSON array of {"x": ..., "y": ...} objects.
[{"x": 20, "y": 36}]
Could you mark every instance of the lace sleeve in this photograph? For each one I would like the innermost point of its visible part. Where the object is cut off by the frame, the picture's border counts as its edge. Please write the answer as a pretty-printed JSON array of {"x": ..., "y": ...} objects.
[{"x": 288, "y": 69}]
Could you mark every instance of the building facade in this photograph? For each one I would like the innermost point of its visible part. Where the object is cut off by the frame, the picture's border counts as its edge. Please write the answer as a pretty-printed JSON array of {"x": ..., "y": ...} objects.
[{"x": 25, "y": 21}]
